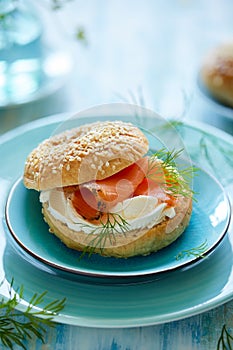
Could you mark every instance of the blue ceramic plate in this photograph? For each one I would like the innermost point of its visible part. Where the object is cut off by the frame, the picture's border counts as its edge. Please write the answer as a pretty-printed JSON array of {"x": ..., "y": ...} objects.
[
  {"x": 167, "y": 297},
  {"x": 209, "y": 222}
]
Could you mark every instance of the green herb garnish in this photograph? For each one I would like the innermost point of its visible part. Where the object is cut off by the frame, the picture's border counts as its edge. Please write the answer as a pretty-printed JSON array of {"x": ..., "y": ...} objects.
[
  {"x": 225, "y": 341},
  {"x": 15, "y": 329},
  {"x": 58, "y": 4},
  {"x": 107, "y": 230},
  {"x": 163, "y": 170},
  {"x": 197, "y": 252}
]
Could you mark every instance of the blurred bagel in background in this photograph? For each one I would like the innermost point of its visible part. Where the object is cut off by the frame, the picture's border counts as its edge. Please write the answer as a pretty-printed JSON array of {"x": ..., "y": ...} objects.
[{"x": 216, "y": 73}]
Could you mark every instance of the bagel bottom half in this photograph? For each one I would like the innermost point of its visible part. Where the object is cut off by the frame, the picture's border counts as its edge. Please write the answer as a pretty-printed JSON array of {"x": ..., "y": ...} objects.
[{"x": 130, "y": 243}]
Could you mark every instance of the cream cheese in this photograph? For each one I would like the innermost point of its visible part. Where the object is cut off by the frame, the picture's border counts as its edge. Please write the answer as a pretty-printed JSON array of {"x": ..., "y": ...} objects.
[{"x": 140, "y": 212}]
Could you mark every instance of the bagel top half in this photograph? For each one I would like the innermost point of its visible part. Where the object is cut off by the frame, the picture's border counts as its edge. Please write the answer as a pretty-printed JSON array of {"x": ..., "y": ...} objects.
[{"x": 90, "y": 152}]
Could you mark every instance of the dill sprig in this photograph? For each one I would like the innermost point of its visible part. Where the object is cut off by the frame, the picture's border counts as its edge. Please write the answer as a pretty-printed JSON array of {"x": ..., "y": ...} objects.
[
  {"x": 197, "y": 252},
  {"x": 16, "y": 327},
  {"x": 112, "y": 224},
  {"x": 163, "y": 170},
  {"x": 225, "y": 341},
  {"x": 58, "y": 4}
]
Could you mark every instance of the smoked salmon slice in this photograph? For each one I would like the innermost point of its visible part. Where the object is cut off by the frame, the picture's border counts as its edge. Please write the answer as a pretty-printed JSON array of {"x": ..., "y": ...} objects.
[
  {"x": 96, "y": 197},
  {"x": 92, "y": 199},
  {"x": 149, "y": 187}
]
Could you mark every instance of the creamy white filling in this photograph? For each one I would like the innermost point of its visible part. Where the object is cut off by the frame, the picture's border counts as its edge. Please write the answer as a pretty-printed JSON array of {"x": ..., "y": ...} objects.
[{"x": 140, "y": 212}]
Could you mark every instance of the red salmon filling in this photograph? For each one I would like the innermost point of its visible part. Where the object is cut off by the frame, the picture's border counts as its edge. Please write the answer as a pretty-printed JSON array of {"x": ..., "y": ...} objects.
[{"x": 92, "y": 200}]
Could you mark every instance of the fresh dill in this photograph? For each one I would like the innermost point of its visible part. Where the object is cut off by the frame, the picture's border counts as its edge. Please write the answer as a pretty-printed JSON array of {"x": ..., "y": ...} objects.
[
  {"x": 169, "y": 124},
  {"x": 225, "y": 341},
  {"x": 197, "y": 252},
  {"x": 163, "y": 170},
  {"x": 54, "y": 5},
  {"x": 18, "y": 326},
  {"x": 112, "y": 224},
  {"x": 58, "y": 4}
]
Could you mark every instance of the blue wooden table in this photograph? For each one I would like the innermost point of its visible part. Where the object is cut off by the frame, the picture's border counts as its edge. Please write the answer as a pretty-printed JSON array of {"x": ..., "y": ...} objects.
[{"x": 147, "y": 53}]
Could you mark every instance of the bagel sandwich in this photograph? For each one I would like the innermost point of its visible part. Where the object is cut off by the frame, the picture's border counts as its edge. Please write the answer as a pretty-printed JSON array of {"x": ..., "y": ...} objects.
[{"x": 101, "y": 192}]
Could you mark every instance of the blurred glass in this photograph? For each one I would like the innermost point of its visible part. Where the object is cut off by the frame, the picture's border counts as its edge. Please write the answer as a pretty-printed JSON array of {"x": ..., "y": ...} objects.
[{"x": 20, "y": 51}]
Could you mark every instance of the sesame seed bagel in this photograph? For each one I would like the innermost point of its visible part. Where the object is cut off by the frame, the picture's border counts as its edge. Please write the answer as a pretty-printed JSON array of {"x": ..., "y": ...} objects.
[
  {"x": 217, "y": 73},
  {"x": 89, "y": 152},
  {"x": 132, "y": 243}
]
